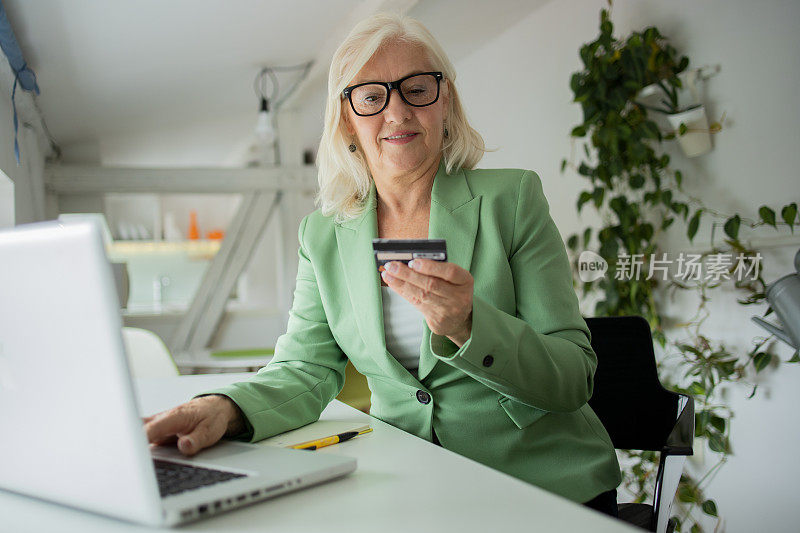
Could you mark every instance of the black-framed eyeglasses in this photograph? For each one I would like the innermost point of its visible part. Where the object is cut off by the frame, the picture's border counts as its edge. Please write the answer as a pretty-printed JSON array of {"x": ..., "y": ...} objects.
[{"x": 418, "y": 90}]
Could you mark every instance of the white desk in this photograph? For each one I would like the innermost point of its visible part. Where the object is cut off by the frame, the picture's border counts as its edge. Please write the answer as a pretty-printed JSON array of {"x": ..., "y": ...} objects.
[{"x": 402, "y": 483}]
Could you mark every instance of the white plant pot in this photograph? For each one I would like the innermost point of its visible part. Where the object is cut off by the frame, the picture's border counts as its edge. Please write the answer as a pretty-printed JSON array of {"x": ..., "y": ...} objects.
[{"x": 693, "y": 143}]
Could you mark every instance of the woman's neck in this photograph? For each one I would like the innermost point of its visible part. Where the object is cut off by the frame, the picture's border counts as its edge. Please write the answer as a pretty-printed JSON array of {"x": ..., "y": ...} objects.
[{"x": 404, "y": 197}]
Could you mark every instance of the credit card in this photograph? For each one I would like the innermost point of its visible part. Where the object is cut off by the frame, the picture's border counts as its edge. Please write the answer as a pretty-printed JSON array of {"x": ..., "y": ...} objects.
[{"x": 404, "y": 250}]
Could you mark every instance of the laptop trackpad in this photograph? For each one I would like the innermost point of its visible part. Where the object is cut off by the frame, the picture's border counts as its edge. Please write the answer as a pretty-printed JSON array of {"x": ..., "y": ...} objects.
[{"x": 223, "y": 451}]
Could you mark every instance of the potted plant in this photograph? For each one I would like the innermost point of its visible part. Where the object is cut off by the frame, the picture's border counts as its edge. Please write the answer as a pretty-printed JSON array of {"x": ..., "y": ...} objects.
[
  {"x": 638, "y": 197},
  {"x": 689, "y": 121}
]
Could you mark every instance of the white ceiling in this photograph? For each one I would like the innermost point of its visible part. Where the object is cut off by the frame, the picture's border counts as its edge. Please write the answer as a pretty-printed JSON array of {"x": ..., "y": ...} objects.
[{"x": 107, "y": 68}]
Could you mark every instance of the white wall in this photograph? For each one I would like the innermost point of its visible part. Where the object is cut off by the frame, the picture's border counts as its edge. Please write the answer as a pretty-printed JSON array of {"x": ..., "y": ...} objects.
[
  {"x": 6, "y": 201},
  {"x": 516, "y": 91},
  {"x": 27, "y": 176}
]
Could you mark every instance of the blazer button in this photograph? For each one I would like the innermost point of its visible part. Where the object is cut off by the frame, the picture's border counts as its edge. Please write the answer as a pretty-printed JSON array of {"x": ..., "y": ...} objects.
[
  {"x": 423, "y": 397},
  {"x": 488, "y": 360}
]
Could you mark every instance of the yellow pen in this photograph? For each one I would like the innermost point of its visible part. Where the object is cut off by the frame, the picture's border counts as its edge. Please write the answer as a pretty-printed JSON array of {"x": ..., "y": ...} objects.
[{"x": 327, "y": 441}]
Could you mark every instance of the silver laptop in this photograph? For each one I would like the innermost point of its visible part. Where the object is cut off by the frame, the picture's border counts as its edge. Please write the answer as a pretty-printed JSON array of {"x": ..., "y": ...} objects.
[{"x": 71, "y": 431}]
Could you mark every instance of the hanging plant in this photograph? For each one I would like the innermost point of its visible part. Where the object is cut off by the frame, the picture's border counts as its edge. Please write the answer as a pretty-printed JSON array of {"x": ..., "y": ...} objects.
[{"x": 638, "y": 195}]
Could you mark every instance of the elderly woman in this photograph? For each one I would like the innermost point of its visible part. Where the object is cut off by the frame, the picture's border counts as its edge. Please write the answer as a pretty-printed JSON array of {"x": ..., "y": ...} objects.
[{"x": 486, "y": 355}]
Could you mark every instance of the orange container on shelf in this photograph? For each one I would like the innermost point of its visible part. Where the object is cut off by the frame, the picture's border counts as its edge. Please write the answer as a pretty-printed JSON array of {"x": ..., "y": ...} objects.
[
  {"x": 215, "y": 235},
  {"x": 194, "y": 232}
]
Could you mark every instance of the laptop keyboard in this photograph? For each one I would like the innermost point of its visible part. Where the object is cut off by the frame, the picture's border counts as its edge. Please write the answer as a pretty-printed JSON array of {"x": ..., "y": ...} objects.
[{"x": 174, "y": 478}]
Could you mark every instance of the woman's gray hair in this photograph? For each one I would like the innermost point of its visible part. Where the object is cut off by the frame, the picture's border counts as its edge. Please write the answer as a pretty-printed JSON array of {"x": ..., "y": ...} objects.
[{"x": 344, "y": 179}]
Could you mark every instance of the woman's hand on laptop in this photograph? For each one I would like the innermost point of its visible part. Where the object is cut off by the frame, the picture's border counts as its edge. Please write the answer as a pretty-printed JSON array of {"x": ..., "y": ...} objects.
[{"x": 196, "y": 424}]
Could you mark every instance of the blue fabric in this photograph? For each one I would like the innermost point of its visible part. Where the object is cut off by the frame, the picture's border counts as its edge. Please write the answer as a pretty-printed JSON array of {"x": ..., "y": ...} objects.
[{"x": 24, "y": 76}]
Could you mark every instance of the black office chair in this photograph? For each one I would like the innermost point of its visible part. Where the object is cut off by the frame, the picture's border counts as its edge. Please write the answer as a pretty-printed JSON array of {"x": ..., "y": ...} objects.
[{"x": 638, "y": 413}]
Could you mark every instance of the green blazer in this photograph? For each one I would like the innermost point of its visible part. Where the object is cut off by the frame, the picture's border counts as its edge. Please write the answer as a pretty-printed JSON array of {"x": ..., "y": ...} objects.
[{"x": 523, "y": 411}]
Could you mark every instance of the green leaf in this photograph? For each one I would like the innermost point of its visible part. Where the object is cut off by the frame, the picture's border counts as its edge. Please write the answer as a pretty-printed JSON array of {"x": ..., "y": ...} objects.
[
  {"x": 701, "y": 420},
  {"x": 718, "y": 422},
  {"x": 762, "y": 360},
  {"x": 695, "y": 528},
  {"x": 572, "y": 242},
  {"x": 577, "y": 80},
  {"x": 582, "y": 97},
  {"x": 636, "y": 181},
  {"x": 650, "y": 130},
  {"x": 696, "y": 389},
  {"x": 680, "y": 208},
  {"x": 598, "y": 195},
  {"x": 732, "y": 227},
  {"x": 682, "y": 129},
  {"x": 690, "y": 348},
  {"x": 632, "y": 86},
  {"x": 647, "y": 231},
  {"x": 718, "y": 443},
  {"x": 578, "y": 131},
  {"x": 788, "y": 214},
  {"x": 686, "y": 493},
  {"x": 587, "y": 235},
  {"x": 710, "y": 507},
  {"x": 584, "y": 197},
  {"x": 694, "y": 224},
  {"x": 767, "y": 216},
  {"x": 563, "y": 164},
  {"x": 795, "y": 358},
  {"x": 678, "y": 177}
]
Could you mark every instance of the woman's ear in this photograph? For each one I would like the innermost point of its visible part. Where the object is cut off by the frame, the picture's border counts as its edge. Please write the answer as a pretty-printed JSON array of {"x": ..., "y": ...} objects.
[{"x": 348, "y": 126}]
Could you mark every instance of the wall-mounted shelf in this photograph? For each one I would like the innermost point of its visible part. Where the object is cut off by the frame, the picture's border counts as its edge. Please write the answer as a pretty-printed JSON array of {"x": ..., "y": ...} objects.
[
  {"x": 235, "y": 307},
  {"x": 76, "y": 179},
  {"x": 205, "y": 249}
]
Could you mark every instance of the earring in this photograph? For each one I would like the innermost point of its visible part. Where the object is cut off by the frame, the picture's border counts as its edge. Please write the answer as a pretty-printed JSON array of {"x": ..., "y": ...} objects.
[
  {"x": 352, "y": 147},
  {"x": 446, "y": 133}
]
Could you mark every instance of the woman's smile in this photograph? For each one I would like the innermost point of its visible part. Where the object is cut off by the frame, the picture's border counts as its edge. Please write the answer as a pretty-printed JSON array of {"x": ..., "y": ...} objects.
[{"x": 402, "y": 137}]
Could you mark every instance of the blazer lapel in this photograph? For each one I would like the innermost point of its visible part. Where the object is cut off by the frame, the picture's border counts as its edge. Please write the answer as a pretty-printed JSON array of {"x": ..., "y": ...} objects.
[{"x": 454, "y": 216}]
